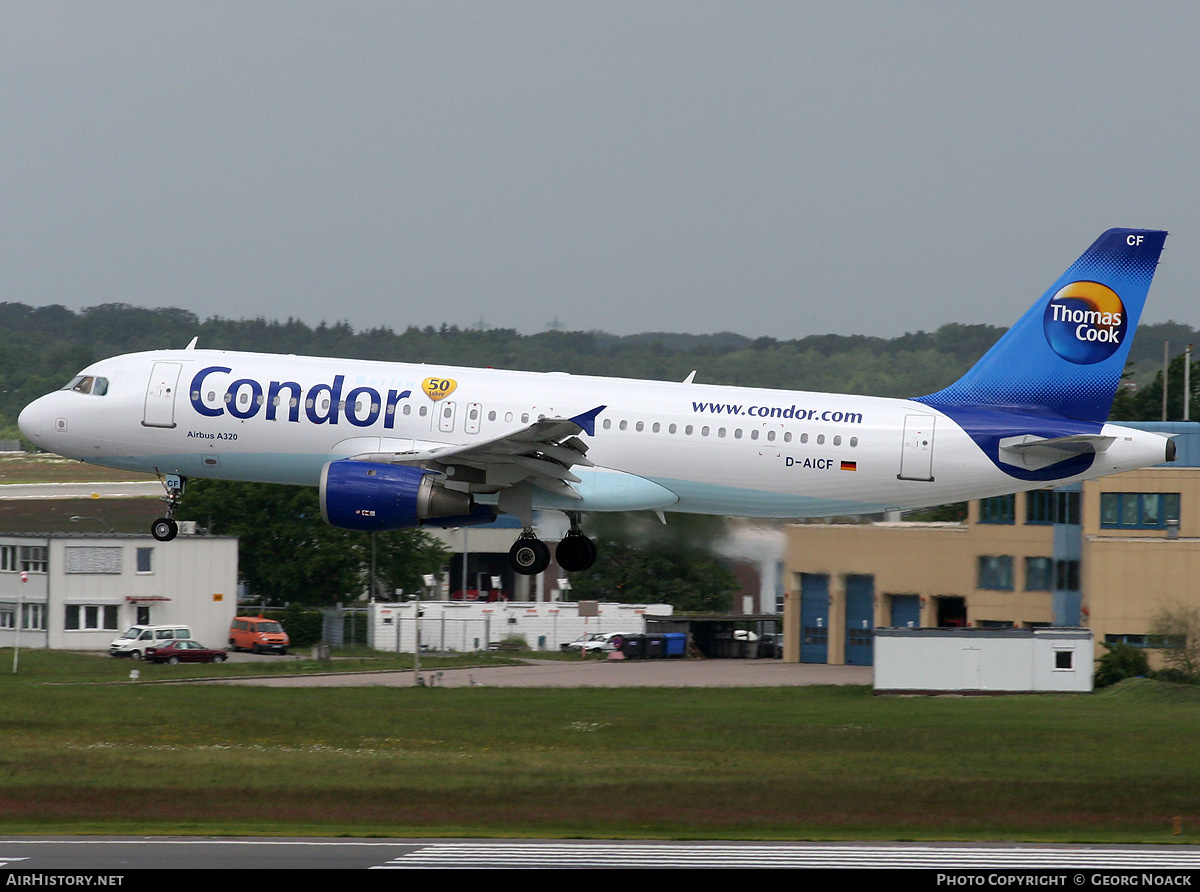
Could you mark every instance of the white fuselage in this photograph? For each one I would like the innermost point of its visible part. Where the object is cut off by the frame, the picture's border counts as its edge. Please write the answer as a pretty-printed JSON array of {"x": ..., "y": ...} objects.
[{"x": 686, "y": 447}]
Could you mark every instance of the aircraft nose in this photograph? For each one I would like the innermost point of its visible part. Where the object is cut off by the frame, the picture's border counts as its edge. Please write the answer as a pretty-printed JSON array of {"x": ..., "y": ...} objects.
[{"x": 36, "y": 421}]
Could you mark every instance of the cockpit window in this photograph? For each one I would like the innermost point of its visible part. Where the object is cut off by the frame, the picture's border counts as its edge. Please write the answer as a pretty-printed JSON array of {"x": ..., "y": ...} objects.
[{"x": 88, "y": 384}]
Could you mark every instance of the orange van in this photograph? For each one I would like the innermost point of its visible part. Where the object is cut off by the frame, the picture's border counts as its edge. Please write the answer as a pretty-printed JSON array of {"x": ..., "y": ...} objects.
[{"x": 254, "y": 633}]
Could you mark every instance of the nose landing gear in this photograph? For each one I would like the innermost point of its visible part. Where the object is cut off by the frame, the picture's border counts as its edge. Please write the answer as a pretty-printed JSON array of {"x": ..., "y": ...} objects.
[{"x": 165, "y": 528}]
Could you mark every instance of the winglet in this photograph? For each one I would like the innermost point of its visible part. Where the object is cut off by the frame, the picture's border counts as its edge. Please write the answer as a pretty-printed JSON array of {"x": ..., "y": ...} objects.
[{"x": 587, "y": 420}]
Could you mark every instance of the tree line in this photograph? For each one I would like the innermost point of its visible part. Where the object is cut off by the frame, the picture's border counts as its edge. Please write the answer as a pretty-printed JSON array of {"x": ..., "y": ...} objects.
[{"x": 41, "y": 348}]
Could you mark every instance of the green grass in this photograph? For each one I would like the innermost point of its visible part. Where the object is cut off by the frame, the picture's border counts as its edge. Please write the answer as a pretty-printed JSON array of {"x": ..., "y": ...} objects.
[
  {"x": 46, "y": 468},
  {"x": 804, "y": 763}
]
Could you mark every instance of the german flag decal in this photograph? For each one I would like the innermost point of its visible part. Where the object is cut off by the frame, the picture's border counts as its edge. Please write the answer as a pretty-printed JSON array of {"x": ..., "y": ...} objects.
[{"x": 849, "y": 466}]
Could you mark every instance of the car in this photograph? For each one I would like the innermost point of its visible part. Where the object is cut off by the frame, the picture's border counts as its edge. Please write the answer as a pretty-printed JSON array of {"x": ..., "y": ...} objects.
[
  {"x": 184, "y": 651},
  {"x": 597, "y": 642},
  {"x": 256, "y": 634},
  {"x": 135, "y": 641}
]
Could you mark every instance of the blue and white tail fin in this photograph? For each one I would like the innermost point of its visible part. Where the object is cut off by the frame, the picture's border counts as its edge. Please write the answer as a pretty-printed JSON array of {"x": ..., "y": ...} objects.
[{"x": 1065, "y": 356}]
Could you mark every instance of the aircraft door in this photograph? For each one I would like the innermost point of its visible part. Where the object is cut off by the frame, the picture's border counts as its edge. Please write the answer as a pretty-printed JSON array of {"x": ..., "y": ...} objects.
[
  {"x": 916, "y": 455},
  {"x": 446, "y": 412},
  {"x": 471, "y": 423},
  {"x": 159, "y": 410}
]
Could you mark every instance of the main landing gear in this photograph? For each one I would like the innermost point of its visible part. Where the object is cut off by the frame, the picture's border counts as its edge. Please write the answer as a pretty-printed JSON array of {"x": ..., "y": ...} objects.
[
  {"x": 165, "y": 528},
  {"x": 530, "y": 556}
]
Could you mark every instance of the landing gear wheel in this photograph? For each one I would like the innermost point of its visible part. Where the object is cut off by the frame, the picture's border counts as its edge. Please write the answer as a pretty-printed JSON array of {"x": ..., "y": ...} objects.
[
  {"x": 576, "y": 552},
  {"x": 529, "y": 556},
  {"x": 164, "y": 529}
]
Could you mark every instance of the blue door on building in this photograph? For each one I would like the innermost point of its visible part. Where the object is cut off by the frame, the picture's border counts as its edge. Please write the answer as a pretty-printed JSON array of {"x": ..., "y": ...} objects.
[
  {"x": 906, "y": 611},
  {"x": 860, "y": 620},
  {"x": 814, "y": 618}
]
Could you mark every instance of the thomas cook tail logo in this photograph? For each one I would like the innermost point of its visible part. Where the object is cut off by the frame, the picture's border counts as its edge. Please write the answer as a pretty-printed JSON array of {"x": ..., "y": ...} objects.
[{"x": 1085, "y": 322}]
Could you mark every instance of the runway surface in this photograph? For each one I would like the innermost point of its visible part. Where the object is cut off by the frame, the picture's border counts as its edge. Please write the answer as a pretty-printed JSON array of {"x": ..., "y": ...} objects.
[{"x": 1077, "y": 864}]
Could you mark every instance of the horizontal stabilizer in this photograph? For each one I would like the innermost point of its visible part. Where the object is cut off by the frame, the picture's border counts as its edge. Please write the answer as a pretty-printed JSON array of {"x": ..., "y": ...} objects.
[{"x": 1034, "y": 453}]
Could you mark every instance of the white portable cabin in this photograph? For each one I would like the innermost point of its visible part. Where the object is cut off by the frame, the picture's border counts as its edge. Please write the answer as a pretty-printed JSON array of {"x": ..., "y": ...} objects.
[{"x": 983, "y": 661}]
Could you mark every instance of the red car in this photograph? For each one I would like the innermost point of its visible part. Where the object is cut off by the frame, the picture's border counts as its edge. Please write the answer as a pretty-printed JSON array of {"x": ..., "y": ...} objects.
[{"x": 184, "y": 651}]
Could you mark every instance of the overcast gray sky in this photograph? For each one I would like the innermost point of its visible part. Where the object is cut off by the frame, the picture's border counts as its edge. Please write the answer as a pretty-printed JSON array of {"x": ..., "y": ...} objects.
[{"x": 759, "y": 167}]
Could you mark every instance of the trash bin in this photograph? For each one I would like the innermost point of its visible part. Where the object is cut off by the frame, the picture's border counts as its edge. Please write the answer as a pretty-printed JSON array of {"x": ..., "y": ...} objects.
[
  {"x": 654, "y": 647},
  {"x": 630, "y": 646}
]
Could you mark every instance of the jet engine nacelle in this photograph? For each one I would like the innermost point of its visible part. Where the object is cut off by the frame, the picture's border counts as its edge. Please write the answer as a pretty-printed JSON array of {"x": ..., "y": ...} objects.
[{"x": 364, "y": 495}]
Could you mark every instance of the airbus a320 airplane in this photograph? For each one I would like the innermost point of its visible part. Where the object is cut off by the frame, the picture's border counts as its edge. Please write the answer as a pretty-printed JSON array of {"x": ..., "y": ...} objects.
[{"x": 395, "y": 445}]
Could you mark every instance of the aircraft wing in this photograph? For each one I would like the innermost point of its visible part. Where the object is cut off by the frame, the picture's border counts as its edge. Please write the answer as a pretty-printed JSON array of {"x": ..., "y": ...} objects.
[{"x": 542, "y": 453}]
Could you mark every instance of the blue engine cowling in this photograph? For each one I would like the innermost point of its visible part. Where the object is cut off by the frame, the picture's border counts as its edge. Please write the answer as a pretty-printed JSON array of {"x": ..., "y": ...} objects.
[{"x": 364, "y": 495}]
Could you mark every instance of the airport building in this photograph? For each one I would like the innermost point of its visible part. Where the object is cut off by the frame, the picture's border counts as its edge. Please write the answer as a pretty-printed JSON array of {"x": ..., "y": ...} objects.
[
  {"x": 1107, "y": 555},
  {"x": 72, "y": 591}
]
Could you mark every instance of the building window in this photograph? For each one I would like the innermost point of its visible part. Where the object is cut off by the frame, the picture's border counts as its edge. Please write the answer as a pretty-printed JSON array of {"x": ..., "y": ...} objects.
[
  {"x": 8, "y": 558},
  {"x": 78, "y": 617},
  {"x": 1139, "y": 510},
  {"x": 1147, "y": 640},
  {"x": 145, "y": 560},
  {"x": 92, "y": 559},
  {"x": 996, "y": 572},
  {"x": 1064, "y": 659},
  {"x": 8, "y": 616},
  {"x": 1049, "y": 506},
  {"x": 999, "y": 509},
  {"x": 33, "y": 558},
  {"x": 1066, "y": 576},
  {"x": 1039, "y": 574},
  {"x": 33, "y": 616}
]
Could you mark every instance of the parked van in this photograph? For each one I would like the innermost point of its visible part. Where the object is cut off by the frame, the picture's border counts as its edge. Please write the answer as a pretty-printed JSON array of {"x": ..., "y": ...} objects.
[
  {"x": 134, "y": 641},
  {"x": 254, "y": 633}
]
